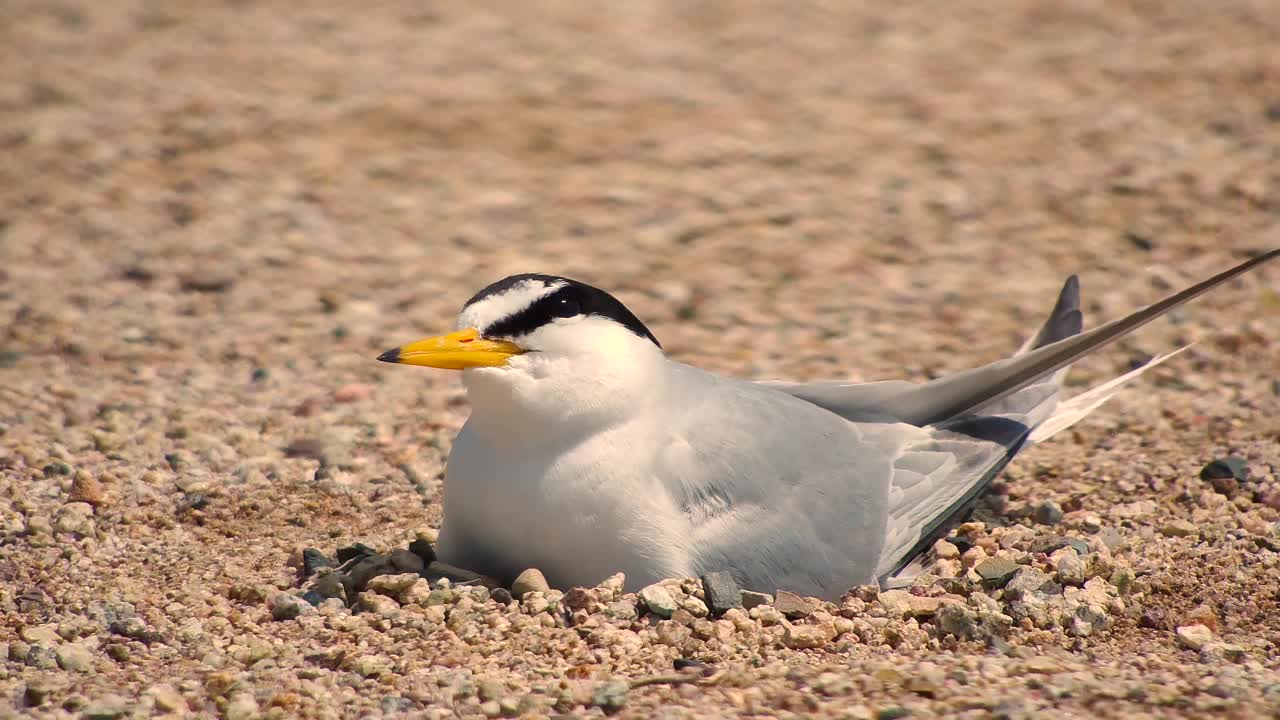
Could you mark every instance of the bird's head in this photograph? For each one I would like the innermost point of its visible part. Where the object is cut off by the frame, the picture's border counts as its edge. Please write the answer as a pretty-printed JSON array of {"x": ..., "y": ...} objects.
[{"x": 550, "y": 344}]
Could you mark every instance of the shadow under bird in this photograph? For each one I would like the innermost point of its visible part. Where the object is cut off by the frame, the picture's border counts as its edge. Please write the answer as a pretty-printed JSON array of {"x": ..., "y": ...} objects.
[{"x": 589, "y": 451}]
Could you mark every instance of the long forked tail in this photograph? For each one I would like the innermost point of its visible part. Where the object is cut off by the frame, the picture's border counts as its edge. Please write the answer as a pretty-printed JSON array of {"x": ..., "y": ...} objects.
[
  {"x": 1064, "y": 320},
  {"x": 961, "y": 393},
  {"x": 1070, "y": 412},
  {"x": 1039, "y": 403},
  {"x": 1033, "y": 404}
]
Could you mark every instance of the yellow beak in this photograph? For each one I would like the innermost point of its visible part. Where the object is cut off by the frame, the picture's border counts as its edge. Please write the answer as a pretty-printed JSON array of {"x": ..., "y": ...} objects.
[{"x": 455, "y": 351}]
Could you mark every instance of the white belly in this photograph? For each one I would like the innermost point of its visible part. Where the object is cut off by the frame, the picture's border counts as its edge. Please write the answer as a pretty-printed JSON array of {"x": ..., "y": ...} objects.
[{"x": 578, "y": 512}]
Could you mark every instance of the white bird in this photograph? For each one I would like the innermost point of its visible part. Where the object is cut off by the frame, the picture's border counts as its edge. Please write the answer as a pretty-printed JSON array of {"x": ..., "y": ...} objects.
[{"x": 589, "y": 451}]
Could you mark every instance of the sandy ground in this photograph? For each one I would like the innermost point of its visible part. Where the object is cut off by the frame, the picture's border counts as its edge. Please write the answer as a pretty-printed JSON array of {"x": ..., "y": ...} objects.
[{"x": 213, "y": 215}]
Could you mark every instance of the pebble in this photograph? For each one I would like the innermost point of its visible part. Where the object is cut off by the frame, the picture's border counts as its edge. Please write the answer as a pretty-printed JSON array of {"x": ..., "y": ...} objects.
[
  {"x": 672, "y": 633},
  {"x": 313, "y": 560},
  {"x": 833, "y": 684},
  {"x": 803, "y": 637},
  {"x": 75, "y": 518},
  {"x": 1086, "y": 620},
  {"x": 306, "y": 447},
  {"x": 167, "y": 698},
  {"x": 75, "y": 657},
  {"x": 47, "y": 634},
  {"x": 38, "y": 525},
  {"x": 658, "y": 600},
  {"x": 751, "y": 599},
  {"x": 1194, "y": 637},
  {"x": 445, "y": 596},
  {"x": 353, "y": 551},
  {"x": 206, "y": 281},
  {"x": 419, "y": 593},
  {"x": 352, "y": 392},
  {"x": 240, "y": 706},
  {"x": 393, "y": 584},
  {"x": 35, "y": 693},
  {"x": 721, "y": 591},
  {"x": 928, "y": 680},
  {"x": 973, "y": 557},
  {"x": 1254, "y": 525},
  {"x": 1047, "y": 513},
  {"x": 611, "y": 588},
  {"x": 694, "y": 607},
  {"x": 1041, "y": 665},
  {"x": 577, "y": 598},
  {"x": 1226, "y": 474},
  {"x": 331, "y": 585},
  {"x": 502, "y": 596},
  {"x": 490, "y": 689},
  {"x": 108, "y": 707},
  {"x": 424, "y": 550},
  {"x": 118, "y": 652},
  {"x": 900, "y": 603},
  {"x": 1201, "y": 615},
  {"x": 1047, "y": 544},
  {"x": 530, "y": 580},
  {"x": 792, "y": 605},
  {"x": 1179, "y": 528},
  {"x": 285, "y": 606},
  {"x": 1122, "y": 578},
  {"x": 622, "y": 610},
  {"x": 944, "y": 550},
  {"x": 85, "y": 488},
  {"x": 1069, "y": 569},
  {"x": 1027, "y": 581},
  {"x": 364, "y": 570},
  {"x": 766, "y": 615},
  {"x": 376, "y": 603},
  {"x": 997, "y": 571},
  {"x": 611, "y": 696},
  {"x": 957, "y": 620},
  {"x": 41, "y": 657},
  {"x": 407, "y": 561}
]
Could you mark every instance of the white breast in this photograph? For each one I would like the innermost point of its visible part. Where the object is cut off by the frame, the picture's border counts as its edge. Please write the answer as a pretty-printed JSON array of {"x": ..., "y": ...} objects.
[{"x": 579, "y": 510}]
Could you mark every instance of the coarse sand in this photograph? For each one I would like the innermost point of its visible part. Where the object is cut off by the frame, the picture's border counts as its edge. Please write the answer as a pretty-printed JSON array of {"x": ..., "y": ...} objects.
[{"x": 214, "y": 215}]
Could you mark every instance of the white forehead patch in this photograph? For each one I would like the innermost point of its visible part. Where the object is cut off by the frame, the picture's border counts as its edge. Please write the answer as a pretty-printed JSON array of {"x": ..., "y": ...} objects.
[{"x": 485, "y": 312}]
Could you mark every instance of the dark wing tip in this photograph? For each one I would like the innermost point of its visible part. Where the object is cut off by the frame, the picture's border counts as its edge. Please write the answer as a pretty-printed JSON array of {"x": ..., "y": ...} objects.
[
  {"x": 1065, "y": 319},
  {"x": 1071, "y": 289},
  {"x": 391, "y": 356}
]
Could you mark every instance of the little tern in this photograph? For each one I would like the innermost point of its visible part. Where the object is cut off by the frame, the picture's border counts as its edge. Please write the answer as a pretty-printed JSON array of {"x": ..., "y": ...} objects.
[{"x": 589, "y": 451}]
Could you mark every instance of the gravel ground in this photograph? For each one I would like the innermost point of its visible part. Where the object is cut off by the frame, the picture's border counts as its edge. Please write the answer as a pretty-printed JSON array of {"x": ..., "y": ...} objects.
[{"x": 214, "y": 215}]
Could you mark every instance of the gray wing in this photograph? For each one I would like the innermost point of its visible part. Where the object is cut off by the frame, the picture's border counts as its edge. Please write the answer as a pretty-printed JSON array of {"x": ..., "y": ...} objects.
[
  {"x": 786, "y": 495},
  {"x": 939, "y": 472},
  {"x": 820, "y": 518},
  {"x": 774, "y": 489}
]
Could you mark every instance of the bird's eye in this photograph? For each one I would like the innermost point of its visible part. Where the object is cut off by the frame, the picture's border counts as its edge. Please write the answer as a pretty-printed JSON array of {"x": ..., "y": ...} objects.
[{"x": 567, "y": 307}]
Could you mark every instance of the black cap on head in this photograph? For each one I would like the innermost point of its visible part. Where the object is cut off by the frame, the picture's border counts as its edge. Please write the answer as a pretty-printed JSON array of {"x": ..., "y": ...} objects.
[{"x": 570, "y": 299}]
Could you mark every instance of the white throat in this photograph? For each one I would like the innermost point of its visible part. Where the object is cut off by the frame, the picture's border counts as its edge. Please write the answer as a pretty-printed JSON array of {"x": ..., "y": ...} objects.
[{"x": 589, "y": 373}]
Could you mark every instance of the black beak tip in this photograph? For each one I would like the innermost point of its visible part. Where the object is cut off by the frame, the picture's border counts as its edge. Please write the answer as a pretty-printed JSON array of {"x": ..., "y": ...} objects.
[{"x": 391, "y": 356}]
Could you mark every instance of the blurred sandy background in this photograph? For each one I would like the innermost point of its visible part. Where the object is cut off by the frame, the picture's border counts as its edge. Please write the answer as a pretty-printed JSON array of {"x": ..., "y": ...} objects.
[{"x": 213, "y": 215}]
